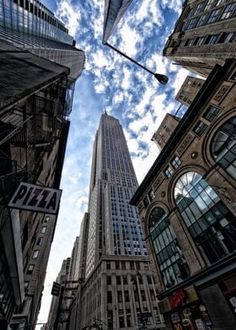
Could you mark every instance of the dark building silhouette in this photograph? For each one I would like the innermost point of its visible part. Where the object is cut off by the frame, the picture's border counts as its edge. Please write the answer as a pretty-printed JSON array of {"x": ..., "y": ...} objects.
[{"x": 35, "y": 103}]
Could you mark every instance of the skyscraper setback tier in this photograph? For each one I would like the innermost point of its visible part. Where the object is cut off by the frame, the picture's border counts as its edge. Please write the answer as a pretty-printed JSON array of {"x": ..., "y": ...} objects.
[
  {"x": 114, "y": 227},
  {"x": 116, "y": 286}
]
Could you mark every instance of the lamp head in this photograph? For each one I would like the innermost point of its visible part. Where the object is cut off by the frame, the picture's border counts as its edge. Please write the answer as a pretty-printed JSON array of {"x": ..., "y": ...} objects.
[{"x": 161, "y": 78}]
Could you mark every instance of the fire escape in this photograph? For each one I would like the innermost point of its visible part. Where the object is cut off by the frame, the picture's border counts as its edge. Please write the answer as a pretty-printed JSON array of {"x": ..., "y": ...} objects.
[{"x": 28, "y": 134}]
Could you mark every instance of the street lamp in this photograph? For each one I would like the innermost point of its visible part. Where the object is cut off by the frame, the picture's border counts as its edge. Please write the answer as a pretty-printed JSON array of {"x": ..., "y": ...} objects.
[{"x": 160, "y": 77}]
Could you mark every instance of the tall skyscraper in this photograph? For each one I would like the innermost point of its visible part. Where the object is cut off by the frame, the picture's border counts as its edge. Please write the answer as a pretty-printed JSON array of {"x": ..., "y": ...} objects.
[
  {"x": 114, "y": 10},
  {"x": 114, "y": 227},
  {"x": 204, "y": 35},
  {"x": 35, "y": 102},
  {"x": 117, "y": 288},
  {"x": 30, "y": 25}
]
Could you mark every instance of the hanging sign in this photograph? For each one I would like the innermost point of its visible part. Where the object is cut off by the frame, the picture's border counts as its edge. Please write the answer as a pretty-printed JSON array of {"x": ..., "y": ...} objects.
[{"x": 36, "y": 198}]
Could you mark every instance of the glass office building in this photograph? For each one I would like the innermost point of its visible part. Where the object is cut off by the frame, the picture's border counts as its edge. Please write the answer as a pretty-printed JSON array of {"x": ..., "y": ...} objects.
[
  {"x": 30, "y": 25},
  {"x": 32, "y": 18}
]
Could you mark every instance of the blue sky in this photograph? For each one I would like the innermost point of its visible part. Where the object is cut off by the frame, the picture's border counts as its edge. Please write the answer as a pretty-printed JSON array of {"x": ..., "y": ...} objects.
[{"x": 110, "y": 82}]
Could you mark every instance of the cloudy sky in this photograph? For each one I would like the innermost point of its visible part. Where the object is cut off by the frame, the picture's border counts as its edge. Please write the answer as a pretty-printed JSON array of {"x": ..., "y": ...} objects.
[{"x": 110, "y": 82}]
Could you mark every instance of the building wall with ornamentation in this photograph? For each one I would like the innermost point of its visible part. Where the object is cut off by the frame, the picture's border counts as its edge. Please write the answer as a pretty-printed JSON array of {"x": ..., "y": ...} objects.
[{"x": 187, "y": 206}]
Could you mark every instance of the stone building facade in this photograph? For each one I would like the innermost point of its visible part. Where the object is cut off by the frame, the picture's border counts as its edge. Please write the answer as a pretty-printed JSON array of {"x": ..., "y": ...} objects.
[
  {"x": 189, "y": 90},
  {"x": 187, "y": 206},
  {"x": 120, "y": 294},
  {"x": 204, "y": 35}
]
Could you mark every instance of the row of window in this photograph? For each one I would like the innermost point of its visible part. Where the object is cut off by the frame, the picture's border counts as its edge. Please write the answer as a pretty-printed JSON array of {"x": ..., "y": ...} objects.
[
  {"x": 211, "y": 225},
  {"x": 224, "y": 37},
  {"x": 206, "y": 5},
  {"x": 36, "y": 10},
  {"x": 214, "y": 15},
  {"x": 210, "y": 114},
  {"x": 38, "y": 243},
  {"x": 125, "y": 293}
]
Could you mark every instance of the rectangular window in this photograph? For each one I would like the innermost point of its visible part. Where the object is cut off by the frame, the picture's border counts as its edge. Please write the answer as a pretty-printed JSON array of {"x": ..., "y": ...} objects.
[
  {"x": 192, "y": 23},
  {"x": 126, "y": 296},
  {"x": 108, "y": 265},
  {"x": 211, "y": 113},
  {"x": 118, "y": 280},
  {"x": 40, "y": 241},
  {"x": 108, "y": 280},
  {"x": 143, "y": 295},
  {"x": 151, "y": 195},
  {"x": 149, "y": 279},
  {"x": 226, "y": 37},
  {"x": 176, "y": 162},
  {"x": 146, "y": 201},
  {"x": 117, "y": 265},
  {"x": 35, "y": 254},
  {"x": 46, "y": 219},
  {"x": 43, "y": 231},
  {"x": 119, "y": 296},
  {"x": 214, "y": 16},
  {"x": 211, "y": 39},
  {"x": 200, "y": 128},
  {"x": 109, "y": 297},
  {"x": 199, "y": 8},
  {"x": 30, "y": 269},
  {"x": 229, "y": 11},
  {"x": 168, "y": 172},
  {"x": 123, "y": 266},
  {"x": 199, "y": 41},
  {"x": 209, "y": 4},
  {"x": 121, "y": 322},
  {"x": 201, "y": 20}
]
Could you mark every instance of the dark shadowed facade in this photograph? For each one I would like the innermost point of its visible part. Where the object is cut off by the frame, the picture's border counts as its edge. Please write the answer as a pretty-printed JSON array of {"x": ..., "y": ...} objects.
[
  {"x": 35, "y": 103},
  {"x": 187, "y": 206}
]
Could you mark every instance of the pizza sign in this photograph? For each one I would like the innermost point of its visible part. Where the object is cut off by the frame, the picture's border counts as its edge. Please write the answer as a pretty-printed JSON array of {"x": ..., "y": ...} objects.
[{"x": 36, "y": 198}]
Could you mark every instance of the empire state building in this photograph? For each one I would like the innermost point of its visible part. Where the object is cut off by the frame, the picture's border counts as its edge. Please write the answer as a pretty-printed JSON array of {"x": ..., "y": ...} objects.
[
  {"x": 114, "y": 226},
  {"x": 117, "y": 285}
]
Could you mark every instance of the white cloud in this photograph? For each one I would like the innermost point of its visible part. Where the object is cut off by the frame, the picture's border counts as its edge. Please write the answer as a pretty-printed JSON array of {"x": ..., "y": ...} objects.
[
  {"x": 135, "y": 97},
  {"x": 71, "y": 17},
  {"x": 176, "y": 5}
]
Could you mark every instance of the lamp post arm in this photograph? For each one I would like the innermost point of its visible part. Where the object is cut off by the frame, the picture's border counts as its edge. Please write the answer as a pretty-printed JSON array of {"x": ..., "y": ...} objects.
[
  {"x": 163, "y": 79},
  {"x": 129, "y": 58}
]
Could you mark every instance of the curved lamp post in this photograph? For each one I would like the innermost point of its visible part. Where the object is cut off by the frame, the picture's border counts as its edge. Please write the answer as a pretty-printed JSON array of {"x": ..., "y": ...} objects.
[{"x": 160, "y": 77}]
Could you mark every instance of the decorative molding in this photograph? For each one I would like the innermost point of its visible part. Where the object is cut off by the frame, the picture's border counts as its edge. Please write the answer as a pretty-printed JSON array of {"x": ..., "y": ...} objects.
[{"x": 187, "y": 141}]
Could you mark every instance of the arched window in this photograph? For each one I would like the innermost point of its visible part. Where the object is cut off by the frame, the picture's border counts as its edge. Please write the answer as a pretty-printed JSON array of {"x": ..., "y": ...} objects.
[
  {"x": 211, "y": 224},
  {"x": 171, "y": 262},
  {"x": 223, "y": 146}
]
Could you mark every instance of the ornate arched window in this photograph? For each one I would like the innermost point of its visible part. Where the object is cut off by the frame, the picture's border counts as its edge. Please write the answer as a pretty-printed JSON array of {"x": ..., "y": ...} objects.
[
  {"x": 169, "y": 256},
  {"x": 223, "y": 146},
  {"x": 211, "y": 224}
]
